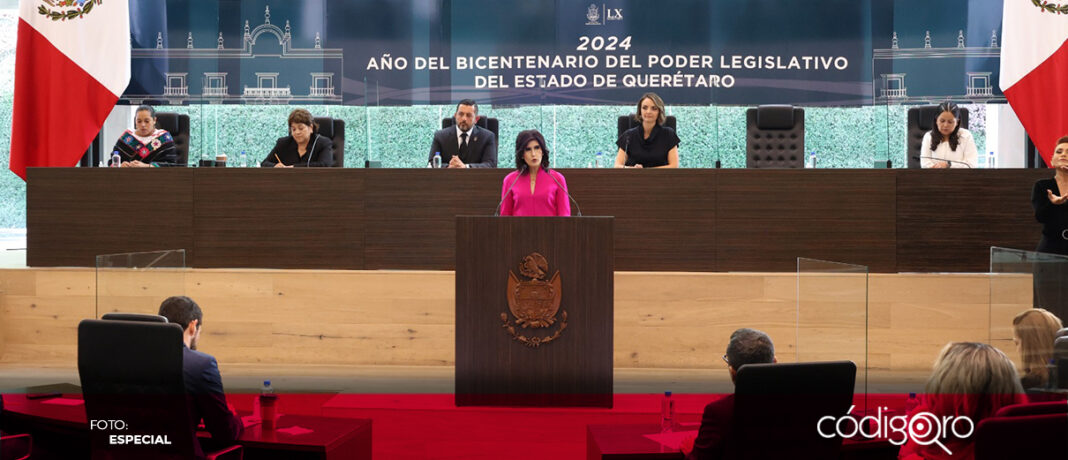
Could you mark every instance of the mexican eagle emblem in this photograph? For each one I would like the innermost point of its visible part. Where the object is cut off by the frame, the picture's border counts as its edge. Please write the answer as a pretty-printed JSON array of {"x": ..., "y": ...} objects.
[
  {"x": 62, "y": 10},
  {"x": 534, "y": 302}
]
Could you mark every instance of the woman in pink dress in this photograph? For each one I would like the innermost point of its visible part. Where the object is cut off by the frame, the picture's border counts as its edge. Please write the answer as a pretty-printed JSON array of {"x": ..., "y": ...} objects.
[{"x": 533, "y": 189}]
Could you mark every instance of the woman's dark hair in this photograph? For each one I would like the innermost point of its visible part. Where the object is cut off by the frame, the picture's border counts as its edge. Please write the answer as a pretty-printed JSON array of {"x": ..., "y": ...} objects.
[
  {"x": 151, "y": 111},
  {"x": 521, "y": 142},
  {"x": 303, "y": 117},
  {"x": 936, "y": 135}
]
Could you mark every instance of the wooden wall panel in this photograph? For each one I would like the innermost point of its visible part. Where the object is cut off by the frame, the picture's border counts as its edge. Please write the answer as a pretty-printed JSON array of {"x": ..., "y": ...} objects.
[
  {"x": 74, "y": 214},
  {"x": 278, "y": 218},
  {"x": 947, "y": 220},
  {"x": 767, "y": 219}
]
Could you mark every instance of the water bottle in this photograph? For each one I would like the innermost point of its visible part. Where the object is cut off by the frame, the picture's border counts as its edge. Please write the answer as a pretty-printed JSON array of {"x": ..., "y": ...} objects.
[
  {"x": 598, "y": 162},
  {"x": 244, "y": 159},
  {"x": 267, "y": 402},
  {"x": 812, "y": 159},
  {"x": 436, "y": 162},
  {"x": 667, "y": 413},
  {"x": 911, "y": 403},
  {"x": 991, "y": 161},
  {"x": 116, "y": 159}
]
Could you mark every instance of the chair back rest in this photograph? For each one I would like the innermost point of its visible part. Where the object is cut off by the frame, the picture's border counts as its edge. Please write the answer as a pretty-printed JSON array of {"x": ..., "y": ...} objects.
[
  {"x": 117, "y": 316},
  {"x": 775, "y": 137},
  {"x": 178, "y": 125},
  {"x": 1040, "y": 408},
  {"x": 492, "y": 124},
  {"x": 626, "y": 122},
  {"x": 1026, "y": 436},
  {"x": 921, "y": 120},
  {"x": 132, "y": 371},
  {"x": 777, "y": 408},
  {"x": 334, "y": 129}
]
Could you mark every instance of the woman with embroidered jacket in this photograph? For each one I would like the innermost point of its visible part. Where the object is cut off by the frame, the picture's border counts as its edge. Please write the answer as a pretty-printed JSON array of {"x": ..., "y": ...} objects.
[{"x": 145, "y": 146}]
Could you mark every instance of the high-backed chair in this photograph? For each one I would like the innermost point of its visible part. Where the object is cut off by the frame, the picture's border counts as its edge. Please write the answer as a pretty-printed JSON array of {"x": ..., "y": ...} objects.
[
  {"x": 483, "y": 122},
  {"x": 178, "y": 125},
  {"x": 921, "y": 120},
  {"x": 777, "y": 408},
  {"x": 334, "y": 129},
  {"x": 131, "y": 370},
  {"x": 117, "y": 316},
  {"x": 1025, "y": 436},
  {"x": 775, "y": 137},
  {"x": 15, "y": 446},
  {"x": 626, "y": 122}
]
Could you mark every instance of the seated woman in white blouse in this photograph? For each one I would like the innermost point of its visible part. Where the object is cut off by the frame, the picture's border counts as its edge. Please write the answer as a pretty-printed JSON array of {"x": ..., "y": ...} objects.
[{"x": 948, "y": 145}]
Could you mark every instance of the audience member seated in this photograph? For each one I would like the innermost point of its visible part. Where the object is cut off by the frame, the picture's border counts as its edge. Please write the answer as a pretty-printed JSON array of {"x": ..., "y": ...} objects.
[
  {"x": 303, "y": 147},
  {"x": 146, "y": 146},
  {"x": 746, "y": 346},
  {"x": 465, "y": 145},
  {"x": 948, "y": 145},
  {"x": 201, "y": 373},
  {"x": 1033, "y": 332},
  {"x": 971, "y": 380},
  {"x": 650, "y": 144}
]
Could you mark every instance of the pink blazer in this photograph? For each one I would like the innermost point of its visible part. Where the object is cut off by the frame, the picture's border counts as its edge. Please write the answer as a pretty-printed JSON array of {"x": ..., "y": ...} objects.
[{"x": 548, "y": 198}]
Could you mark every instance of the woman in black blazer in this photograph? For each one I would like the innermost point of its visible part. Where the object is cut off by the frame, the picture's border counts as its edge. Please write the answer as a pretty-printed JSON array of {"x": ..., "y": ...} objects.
[
  {"x": 303, "y": 147},
  {"x": 1050, "y": 201}
]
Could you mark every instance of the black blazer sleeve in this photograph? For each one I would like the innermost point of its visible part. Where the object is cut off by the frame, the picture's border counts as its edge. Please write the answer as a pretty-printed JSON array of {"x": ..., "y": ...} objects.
[
  {"x": 322, "y": 155},
  {"x": 279, "y": 146},
  {"x": 489, "y": 151},
  {"x": 715, "y": 427},
  {"x": 1044, "y": 209},
  {"x": 211, "y": 403},
  {"x": 436, "y": 146}
]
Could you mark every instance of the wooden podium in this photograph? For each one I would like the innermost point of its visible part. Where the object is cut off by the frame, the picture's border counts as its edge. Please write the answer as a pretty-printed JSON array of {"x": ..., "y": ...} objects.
[{"x": 553, "y": 275}]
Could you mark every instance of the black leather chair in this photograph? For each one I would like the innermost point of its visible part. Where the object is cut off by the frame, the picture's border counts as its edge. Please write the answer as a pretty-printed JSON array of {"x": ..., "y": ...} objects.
[
  {"x": 777, "y": 408},
  {"x": 483, "y": 122},
  {"x": 334, "y": 129},
  {"x": 178, "y": 125},
  {"x": 775, "y": 137},
  {"x": 116, "y": 316},
  {"x": 921, "y": 120},
  {"x": 1022, "y": 436},
  {"x": 131, "y": 370},
  {"x": 625, "y": 122}
]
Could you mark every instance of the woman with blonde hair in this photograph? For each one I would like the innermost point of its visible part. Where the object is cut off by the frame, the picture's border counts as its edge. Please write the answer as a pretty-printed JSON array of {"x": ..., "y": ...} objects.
[
  {"x": 971, "y": 380},
  {"x": 1033, "y": 332}
]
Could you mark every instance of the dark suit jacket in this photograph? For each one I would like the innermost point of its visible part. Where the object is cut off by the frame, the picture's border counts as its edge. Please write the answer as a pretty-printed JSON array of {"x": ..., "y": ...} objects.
[
  {"x": 321, "y": 153},
  {"x": 204, "y": 386},
  {"x": 715, "y": 430},
  {"x": 481, "y": 147}
]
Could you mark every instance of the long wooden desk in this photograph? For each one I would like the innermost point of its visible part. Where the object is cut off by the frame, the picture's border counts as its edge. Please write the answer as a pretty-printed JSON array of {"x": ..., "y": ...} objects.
[
  {"x": 62, "y": 430},
  {"x": 665, "y": 220}
]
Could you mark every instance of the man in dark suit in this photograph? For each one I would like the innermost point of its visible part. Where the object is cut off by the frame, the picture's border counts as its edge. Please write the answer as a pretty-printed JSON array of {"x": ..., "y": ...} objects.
[
  {"x": 465, "y": 144},
  {"x": 747, "y": 346},
  {"x": 201, "y": 372}
]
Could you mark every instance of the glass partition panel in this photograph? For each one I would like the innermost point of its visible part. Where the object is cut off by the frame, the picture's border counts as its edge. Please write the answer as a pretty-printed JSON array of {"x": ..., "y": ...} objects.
[
  {"x": 1019, "y": 281},
  {"x": 137, "y": 282},
  {"x": 832, "y": 315}
]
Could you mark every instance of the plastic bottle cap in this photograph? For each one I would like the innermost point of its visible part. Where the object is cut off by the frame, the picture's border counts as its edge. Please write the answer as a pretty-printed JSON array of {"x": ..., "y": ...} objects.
[
  {"x": 667, "y": 393},
  {"x": 912, "y": 395},
  {"x": 266, "y": 383}
]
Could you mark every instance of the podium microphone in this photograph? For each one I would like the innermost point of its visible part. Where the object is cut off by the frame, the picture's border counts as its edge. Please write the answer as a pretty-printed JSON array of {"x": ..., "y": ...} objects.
[
  {"x": 522, "y": 169},
  {"x": 577, "y": 209}
]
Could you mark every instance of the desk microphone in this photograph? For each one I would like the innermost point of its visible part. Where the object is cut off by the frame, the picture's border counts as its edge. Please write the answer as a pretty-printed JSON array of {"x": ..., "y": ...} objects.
[
  {"x": 952, "y": 162},
  {"x": 522, "y": 169},
  {"x": 577, "y": 209}
]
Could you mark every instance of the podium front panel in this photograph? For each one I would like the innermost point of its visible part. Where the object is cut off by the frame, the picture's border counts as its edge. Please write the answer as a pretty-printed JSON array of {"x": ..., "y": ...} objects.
[{"x": 534, "y": 311}]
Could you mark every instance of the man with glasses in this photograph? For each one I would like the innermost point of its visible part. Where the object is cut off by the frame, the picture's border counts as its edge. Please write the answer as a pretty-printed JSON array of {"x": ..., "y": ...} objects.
[{"x": 747, "y": 346}]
